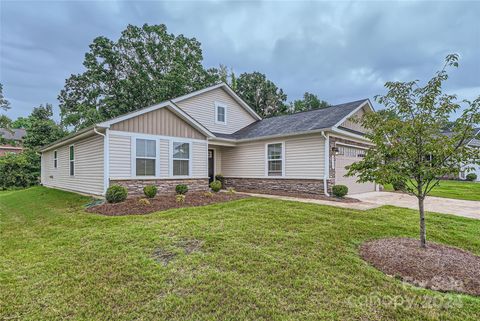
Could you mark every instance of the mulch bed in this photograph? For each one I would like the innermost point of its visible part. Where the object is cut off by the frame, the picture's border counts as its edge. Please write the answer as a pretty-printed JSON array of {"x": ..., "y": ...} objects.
[
  {"x": 438, "y": 267},
  {"x": 301, "y": 195},
  {"x": 132, "y": 206}
]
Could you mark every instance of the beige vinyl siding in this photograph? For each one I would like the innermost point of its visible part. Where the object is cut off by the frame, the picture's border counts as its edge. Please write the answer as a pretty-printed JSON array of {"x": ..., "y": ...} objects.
[
  {"x": 304, "y": 158},
  {"x": 202, "y": 108},
  {"x": 351, "y": 124},
  {"x": 159, "y": 122},
  {"x": 120, "y": 156},
  {"x": 200, "y": 159},
  {"x": 164, "y": 158},
  {"x": 88, "y": 167}
]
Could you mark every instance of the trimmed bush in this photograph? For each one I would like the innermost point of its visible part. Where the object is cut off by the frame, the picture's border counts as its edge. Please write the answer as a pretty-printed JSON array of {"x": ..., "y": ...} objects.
[
  {"x": 150, "y": 191},
  {"x": 180, "y": 198},
  {"x": 220, "y": 178},
  {"x": 231, "y": 191},
  {"x": 181, "y": 189},
  {"x": 208, "y": 194},
  {"x": 398, "y": 185},
  {"x": 143, "y": 201},
  {"x": 116, "y": 194},
  {"x": 340, "y": 190},
  {"x": 216, "y": 186},
  {"x": 471, "y": 177}
]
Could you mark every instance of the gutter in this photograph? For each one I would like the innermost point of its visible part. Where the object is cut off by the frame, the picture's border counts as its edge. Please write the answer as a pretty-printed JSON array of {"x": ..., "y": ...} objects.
[
  {"x": 106, "y": 158},
  {"x": 327, "y": 163}
]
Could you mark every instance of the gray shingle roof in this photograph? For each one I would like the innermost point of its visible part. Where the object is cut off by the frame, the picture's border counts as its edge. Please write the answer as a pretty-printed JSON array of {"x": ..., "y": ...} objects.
[
  {"x": 14, "y": 134},
  {"x": 295, "y": 123}
]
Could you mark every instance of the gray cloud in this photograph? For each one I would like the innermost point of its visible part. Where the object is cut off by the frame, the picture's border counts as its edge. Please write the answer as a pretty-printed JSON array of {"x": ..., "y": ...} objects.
[{"x": 341, "y": 51}]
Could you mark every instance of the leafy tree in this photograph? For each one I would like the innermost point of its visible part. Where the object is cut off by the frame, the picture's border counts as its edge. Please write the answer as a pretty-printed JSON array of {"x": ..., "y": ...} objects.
[
  {"x": 411, "y": 146},
  {"x": 41, "y": 128},
  {"x": 144, "y": 66},
  {"x": 5, "y": 122},
  {"x": 19, "y": 170},
  {"x": 309, "y": 102},
  {"x": 261, "y": 94},
  {"x": 4, "y": 103},
  {"x": 20, "y": 122}
]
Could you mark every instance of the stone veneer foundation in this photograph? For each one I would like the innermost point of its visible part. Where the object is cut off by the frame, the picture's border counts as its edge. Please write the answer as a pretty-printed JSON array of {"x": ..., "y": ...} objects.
[
  {"x": 165, "y": 186},
  {"x": 310, "y": 186}
]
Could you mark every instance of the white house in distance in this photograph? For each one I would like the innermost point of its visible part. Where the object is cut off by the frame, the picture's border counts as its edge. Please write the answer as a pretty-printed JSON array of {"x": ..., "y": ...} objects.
[{"x": 191, "y": 138}]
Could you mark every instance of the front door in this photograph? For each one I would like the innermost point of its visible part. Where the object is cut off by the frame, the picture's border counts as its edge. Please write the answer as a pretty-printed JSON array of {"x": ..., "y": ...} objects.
[{"x": 211, "y": 165}]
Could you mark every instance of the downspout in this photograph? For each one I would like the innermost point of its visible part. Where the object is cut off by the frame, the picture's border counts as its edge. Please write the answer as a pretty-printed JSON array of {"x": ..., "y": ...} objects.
[
  {"x": 106, "y": 160},
  {"x": 327, "y": 163}
]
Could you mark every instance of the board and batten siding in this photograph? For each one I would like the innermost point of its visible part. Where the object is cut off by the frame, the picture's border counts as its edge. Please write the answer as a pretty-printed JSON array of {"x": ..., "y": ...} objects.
[
  {"x": 88, "y": 176},
  {"x": 121, "y": 155},
  {"x": 158, "y": 122},
  {"x": 304, "y": 158},
  {"x": 202, "y": 108}
]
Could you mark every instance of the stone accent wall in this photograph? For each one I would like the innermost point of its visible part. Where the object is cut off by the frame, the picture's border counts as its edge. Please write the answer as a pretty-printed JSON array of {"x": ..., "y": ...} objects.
[
  {"x": 333, "y": 143},
  {"x": 310, "y": 186},
  {"x": 165, "y": 186}
]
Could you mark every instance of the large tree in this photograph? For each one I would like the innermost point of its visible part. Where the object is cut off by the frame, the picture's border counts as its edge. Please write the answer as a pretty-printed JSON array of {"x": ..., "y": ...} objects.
[
  {"x": 144, "y": 66},
  {"x": 411, "y": 145},
  {"x": 309, "y": 102},
  {"x": 261, "y": 94},
  {"x": 4, "y": 103},
  {"x": 41, "y": 128}
]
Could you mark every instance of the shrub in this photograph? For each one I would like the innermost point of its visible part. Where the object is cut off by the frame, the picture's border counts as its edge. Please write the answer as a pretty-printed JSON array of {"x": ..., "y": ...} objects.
[
  {"x": 471, "y": 177},
  {"x": 398, "y": 185},
  {"x": 143, "y": 201},
  {"x": 150, "y": 191},
  {"x": 208, "y": 194},
  {"x": 19, "y": 170},
  {"x": 221, "y": 179},
  {"x": 231, "y": 191},
  {"x": 216, "y": 186},
  {"x": 116, "y": 194},
  {"x": 180, "y": 198},
  {"x": 181, "y": 189},
  {"x": 340, "y": 190}
]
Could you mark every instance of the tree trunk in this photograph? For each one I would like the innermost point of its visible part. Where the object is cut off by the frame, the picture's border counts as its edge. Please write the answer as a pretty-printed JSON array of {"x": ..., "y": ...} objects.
[{"x": 423, "y": 231}]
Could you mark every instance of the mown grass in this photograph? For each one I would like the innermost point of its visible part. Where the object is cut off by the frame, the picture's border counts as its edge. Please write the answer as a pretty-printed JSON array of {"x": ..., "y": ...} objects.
[
  {"x": 260, "y": 260},
  {"x": 454, "y": 189}
]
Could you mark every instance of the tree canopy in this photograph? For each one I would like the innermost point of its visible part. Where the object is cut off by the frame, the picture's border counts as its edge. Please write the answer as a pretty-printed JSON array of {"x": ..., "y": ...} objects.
[
  {"x": 410, "y": 143},
  {"x": 4, "y": 103},
  {"x": 41, "y": 128},
  {"x": 144, "y": 66},
  {"x": 309, "y": 102}
]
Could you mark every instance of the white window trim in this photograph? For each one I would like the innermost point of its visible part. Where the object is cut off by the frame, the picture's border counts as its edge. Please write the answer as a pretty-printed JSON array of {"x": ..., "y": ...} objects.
[
  {"x": 282, "y": 159},
  {"x": 190, "y": 153},
  {"x": 70, "y": 161},
  {"x": 134, "y": 157},
  {"x": 55, "y": 158},
  {"x": 224, "y": 106}
]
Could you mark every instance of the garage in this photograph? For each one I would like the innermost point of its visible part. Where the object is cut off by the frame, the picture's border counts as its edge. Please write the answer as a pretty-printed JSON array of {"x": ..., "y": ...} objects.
[{"x": 346, "y": 156}]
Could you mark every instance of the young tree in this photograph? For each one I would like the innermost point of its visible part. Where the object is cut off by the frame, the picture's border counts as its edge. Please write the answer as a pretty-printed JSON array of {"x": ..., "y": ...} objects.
[
  {"x": 4, "y": 103},
  {"x": 309, "y": 102},
  {"x": 411, "y": 146},
  {"x": 261, "y": 94},
  {"x": 41, "y": 128},
  {"x": 146, "y": 65}
]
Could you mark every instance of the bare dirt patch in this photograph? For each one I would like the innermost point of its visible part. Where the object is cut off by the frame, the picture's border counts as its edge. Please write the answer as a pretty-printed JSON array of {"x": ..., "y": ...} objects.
[
  {"x": 438, "y": 267},
  {"x": 301, "y": 195},
  {"x": 188, "y": 245},
  {"x": 132, "y": 206}
]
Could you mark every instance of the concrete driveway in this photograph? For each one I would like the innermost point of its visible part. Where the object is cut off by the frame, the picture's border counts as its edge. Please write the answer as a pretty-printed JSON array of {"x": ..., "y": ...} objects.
[{"x": 469, "y": 209}]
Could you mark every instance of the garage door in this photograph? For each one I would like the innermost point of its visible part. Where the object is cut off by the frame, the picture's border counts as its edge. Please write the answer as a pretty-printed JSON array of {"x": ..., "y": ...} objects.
[{"x": 345, "y": 157}]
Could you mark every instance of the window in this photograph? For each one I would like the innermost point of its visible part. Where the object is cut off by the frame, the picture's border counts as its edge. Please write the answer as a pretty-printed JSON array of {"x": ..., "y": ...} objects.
[
  {"x": 275, "y": 159},
  {"x": 181, "y": 159},
  {"x": 220, "y": 114},
  {"x": 72, "y": 160},
  {"x": 55, "y": 159},
  {"x": 351, "y": 151},
  {"x": 145, "y": 157}
]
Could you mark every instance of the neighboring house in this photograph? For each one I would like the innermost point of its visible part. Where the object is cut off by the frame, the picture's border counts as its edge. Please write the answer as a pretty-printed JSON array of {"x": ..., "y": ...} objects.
[
  {"x": 212, "y": 131},
  {"x": 472, "y": 168},
  {"x": 12, "y": 135}
]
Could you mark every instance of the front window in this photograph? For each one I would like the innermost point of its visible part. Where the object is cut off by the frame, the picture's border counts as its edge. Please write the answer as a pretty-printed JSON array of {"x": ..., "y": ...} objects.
[
  {"x": 72, "y": 160},
  {"x": 220, "y": 114},
  {"x": 55, "y": 159},
  {"x": 146, "y": 154},
  {"x": 181, "y": 159},
  {"x": 275, "y": 159}
]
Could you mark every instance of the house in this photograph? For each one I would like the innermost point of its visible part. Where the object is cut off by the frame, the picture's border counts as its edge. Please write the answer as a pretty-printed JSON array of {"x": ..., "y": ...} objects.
[
  {"x": 12, "y": 140},
  {"x": 473, "y": 167},
  {"x": 192, "y": 138}
]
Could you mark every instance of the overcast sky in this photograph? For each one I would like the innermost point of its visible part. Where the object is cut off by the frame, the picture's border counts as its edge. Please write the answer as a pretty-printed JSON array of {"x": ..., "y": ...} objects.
[{"x": 341, "y": 51}]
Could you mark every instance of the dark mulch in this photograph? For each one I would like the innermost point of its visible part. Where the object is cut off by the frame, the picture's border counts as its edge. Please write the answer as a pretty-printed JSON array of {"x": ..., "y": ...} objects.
[
  {"x": 301, "y": 195},
  {"x": 132, "y": 206},
  {"x": 438, "y": 267}
]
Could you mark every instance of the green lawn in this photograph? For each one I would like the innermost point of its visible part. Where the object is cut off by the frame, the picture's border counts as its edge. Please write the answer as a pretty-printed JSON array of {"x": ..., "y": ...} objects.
[
  {"x": 454, "y": 189},
  {"x": 260, "y": 260}
]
